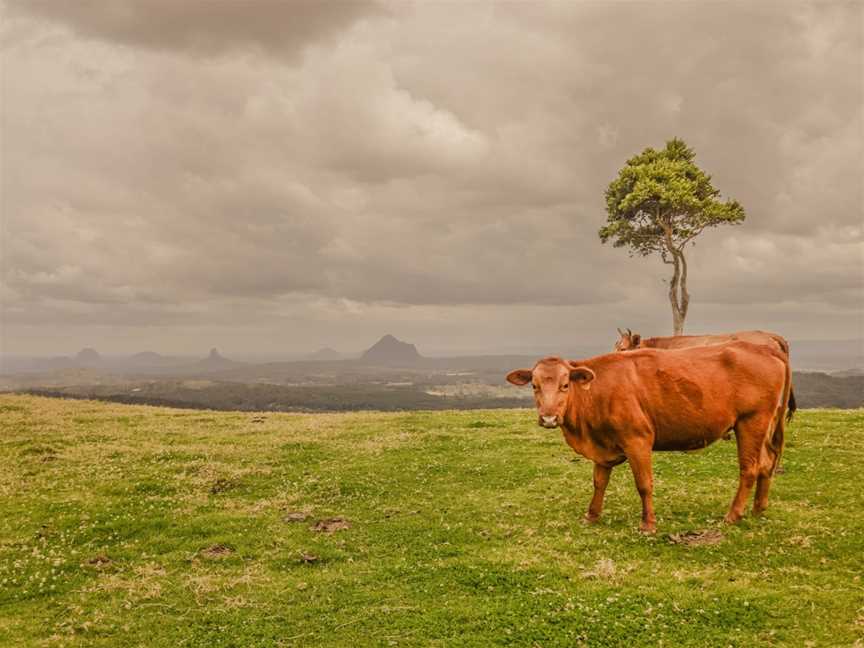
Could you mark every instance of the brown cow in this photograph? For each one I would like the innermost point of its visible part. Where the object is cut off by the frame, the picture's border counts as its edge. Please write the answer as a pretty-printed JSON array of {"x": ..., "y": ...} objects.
[
  {"x": 628, "y": 341},
  {"x": 622, "y": 406}
]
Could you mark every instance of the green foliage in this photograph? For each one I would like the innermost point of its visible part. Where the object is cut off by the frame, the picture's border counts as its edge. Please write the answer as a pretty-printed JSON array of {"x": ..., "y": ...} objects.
[
  {"x": 142, "y": 526},
  {"x": 661, "y": 201}
]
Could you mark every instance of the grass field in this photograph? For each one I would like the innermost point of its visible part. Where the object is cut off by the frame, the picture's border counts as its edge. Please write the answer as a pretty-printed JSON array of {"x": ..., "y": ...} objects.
[{"x": 135, "y": 526}]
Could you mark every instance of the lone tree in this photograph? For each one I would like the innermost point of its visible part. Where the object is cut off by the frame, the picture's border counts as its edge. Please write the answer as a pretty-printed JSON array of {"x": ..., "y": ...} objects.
[{"x": 659, "y": 203}]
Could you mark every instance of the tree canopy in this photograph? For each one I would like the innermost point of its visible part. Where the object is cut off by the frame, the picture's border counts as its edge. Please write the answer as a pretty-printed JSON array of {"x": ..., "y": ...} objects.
[{"x": 659, "y": 203}]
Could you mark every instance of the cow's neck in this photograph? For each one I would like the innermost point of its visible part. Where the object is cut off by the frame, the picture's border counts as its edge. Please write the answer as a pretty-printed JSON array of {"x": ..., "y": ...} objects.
[
  {"x": 576, "y": 425},
  {"x": 584, "y": 436}
]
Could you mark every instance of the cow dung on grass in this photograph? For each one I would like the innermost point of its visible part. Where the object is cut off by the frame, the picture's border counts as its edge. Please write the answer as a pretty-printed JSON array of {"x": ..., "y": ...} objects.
[
  {"x": 331, "y": 525},
  {"x": 216, "y": 551},
  {"x": 696, "y": 538}
]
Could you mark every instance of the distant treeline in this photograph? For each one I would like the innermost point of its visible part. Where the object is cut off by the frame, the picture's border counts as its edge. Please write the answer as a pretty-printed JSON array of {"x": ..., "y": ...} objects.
[
  {"x": 811, "y": 390},
  {"x": 267, "y": 397},
  {"x": 823, "y": 390}
]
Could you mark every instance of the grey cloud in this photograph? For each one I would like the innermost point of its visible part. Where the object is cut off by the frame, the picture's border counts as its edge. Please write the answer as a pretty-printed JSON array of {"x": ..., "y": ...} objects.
[
  {"x": 428, "y": 161},
  {"x": 202, "y": 26}
]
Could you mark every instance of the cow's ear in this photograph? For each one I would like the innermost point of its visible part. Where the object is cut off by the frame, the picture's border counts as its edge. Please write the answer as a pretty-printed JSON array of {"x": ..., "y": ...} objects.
[
  {"x": 519, "y": 377},
  {"x": 635, "y": 338},
  {"x": 582, "y": 375}
]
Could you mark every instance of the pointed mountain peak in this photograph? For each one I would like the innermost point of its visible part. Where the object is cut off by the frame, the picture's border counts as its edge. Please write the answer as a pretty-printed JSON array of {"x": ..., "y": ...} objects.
[{"x": 391, "y": 351}]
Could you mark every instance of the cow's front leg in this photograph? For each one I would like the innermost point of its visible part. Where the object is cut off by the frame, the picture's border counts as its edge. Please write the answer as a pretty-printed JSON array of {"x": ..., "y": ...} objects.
[
  {"x": 640, "y": 464},
  {"x": 601, "y": 480}
]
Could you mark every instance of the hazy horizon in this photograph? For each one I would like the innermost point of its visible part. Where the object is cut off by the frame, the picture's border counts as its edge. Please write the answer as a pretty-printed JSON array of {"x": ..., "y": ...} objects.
[
  {"x": 279, "y": 354},
  {"x": 181, "y": 176}
]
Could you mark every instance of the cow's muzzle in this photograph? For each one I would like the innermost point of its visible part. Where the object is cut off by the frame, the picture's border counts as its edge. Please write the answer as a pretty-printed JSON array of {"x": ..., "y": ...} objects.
[{"x": 548, "y": 421}]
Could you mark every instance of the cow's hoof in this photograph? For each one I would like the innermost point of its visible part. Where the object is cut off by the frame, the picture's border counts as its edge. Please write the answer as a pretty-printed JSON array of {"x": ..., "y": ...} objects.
[
  {"x": 590, "y": 518},
  {"x": 648, "y": 529},
  {"x": 732, "y": 518}
]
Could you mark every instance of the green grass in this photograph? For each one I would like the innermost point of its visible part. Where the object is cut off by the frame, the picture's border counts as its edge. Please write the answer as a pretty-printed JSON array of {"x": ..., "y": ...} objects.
[{"x": 136, "y": 526}]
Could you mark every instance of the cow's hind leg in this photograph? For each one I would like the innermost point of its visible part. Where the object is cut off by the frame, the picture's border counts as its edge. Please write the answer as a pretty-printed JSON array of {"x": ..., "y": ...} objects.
[
  {"x": 763, "y": 485},
  {"x": 768, "y": 465},
  {"x": 773, "y": 448},
  {"x": 751, "y": 434},
  {"x": 601, "y": 480}
]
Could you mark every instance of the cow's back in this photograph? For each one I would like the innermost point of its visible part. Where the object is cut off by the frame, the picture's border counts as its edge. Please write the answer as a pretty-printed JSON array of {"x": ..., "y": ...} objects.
[
  {"x": 687, "y": 341},
  {"x": 689, "y": 397}
]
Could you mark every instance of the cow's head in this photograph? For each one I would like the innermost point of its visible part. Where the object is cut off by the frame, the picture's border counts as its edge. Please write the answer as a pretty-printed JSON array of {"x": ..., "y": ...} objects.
[
  {"x": 553, "y": 380},
  {"x": 627, "y": 340}
]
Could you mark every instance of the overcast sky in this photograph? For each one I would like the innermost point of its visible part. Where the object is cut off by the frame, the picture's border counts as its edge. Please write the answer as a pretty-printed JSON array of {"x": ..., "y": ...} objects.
[{"x": 278, "y": 176}]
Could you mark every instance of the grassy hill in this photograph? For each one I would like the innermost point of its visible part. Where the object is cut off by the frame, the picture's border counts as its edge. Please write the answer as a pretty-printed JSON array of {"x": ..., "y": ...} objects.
[{"x": 136, "y": 526}]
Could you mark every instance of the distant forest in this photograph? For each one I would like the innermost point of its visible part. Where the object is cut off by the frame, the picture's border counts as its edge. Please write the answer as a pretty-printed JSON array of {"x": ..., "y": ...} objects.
[{"x": 811, "y": 390}]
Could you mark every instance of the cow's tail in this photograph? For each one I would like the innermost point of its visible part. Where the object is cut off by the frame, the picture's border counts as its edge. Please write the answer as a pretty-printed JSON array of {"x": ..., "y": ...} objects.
[
  {"x": 791, "y": 406},
  {"x": 779, "y": 434},
  {"x": 776, "y": 443}
]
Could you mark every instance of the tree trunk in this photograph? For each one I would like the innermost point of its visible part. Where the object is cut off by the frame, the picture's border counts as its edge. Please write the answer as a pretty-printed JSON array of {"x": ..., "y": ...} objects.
[
  {"x": 685, "y": 296},
  {"x": 677, "y": 322},
  {"x": 679, "y": 298}
]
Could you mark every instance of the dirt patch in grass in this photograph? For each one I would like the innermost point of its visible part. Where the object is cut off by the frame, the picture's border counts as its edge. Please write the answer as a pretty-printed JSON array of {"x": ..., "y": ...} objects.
[
  {"x": 221, "y": 485},
  {"x": 41, "y": 453},
  {"x": 308, "y": 558},
  {"x": 216, "y": 551},
  {"x": 99, "y": 561},
  {"x": 331, "y": 525},
  {"x": 296, "y": 516},
  {"x": 799, "y": 541},
  {"x": 697, "y": 538},
  {"x": 44, "y": 531}
]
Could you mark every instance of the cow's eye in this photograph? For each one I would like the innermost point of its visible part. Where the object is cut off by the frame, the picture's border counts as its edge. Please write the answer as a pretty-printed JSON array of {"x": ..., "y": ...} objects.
[
  {"x": 565, "y": 386},
  {"x": 536, "y": 387}
]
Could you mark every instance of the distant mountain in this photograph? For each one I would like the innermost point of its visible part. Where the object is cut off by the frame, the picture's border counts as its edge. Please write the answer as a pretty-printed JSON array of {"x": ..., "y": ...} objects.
[
  {"x": 216, "y": 362},
  {"x": 390, "y": 351},
  {"x": 87, "y": 358},
  {"x": 325, "y": 355}
]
